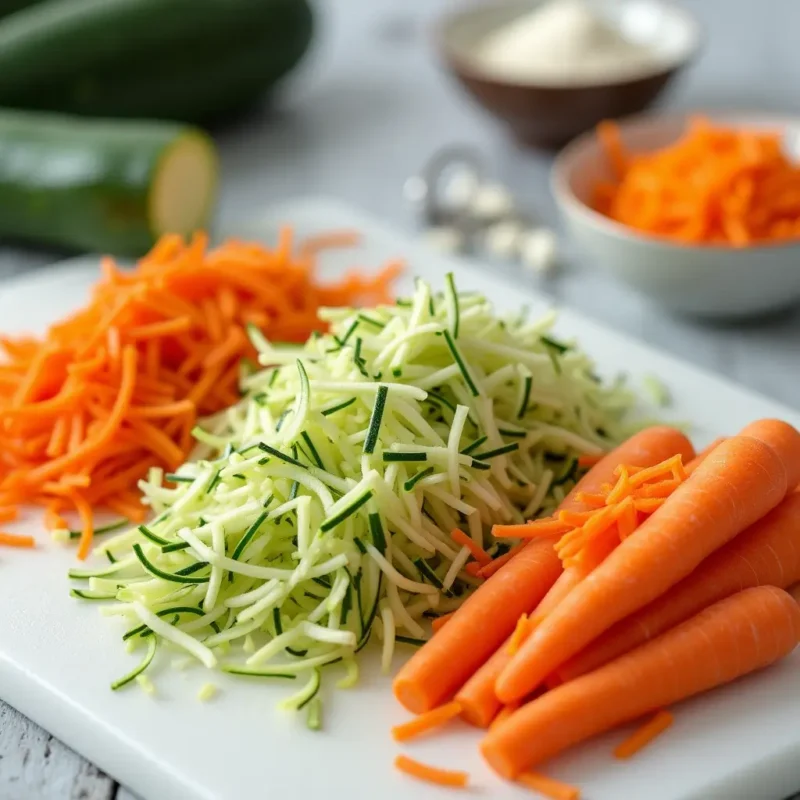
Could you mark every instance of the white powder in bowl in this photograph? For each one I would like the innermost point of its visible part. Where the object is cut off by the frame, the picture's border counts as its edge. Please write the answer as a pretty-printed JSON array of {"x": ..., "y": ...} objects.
[{"x": 563, "y": 42}]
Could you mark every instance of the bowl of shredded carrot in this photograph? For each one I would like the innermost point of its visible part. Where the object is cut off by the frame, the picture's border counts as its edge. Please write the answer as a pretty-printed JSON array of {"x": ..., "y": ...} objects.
[{"x": 700, "y": 214}]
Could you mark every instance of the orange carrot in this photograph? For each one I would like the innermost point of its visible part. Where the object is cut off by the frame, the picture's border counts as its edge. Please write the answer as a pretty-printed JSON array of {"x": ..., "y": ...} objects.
[
  {"x": 575, "y": 574},
  {"x": 781, "y": 437},
  {"x": 426, "y": 722},
  {"x": 537, "y": 529},
  {"x": 703, "y": 454},
  {"x": 477, "y": 696},
  {"x": 439, "y": 622},
  {"x": 478, "y": 553},
  {"x": 8, "y": 514},
  {"x": 329, "y": 239},
  {"x": 714, "y": 185},
  {"x": 505, "y": 712},
  {"x": 739, "y": 482},
  {"x": 556, "y": 790},
  {"x": 439, "y": 668},
  {"x": 643, "y": 736},
  {"x": 13, "y": 540},
  {"x": 479, "y": 703},
  {"x": 424, "y": 772},
  {"x": 767, "y": 553},
  {"x": 473, "y": 568},
  {"x": 519, "y": 635},
  {"x": 153, "y": 350},
  {"x": 736, "y": 636},
  {"x": 496, "y": 564}
]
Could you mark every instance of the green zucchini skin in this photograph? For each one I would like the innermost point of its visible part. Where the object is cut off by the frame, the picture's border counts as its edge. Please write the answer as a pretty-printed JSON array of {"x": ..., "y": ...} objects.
[
  {"x": 186, "y": 60},
  {"x": 10, "y": 6},
  {"x": 82, "y": 184}
]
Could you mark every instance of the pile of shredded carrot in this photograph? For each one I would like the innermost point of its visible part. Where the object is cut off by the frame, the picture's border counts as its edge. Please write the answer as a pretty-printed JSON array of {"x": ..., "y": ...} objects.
[
  {"x": 715, "y": 185},
  {"x": 116, "y": 388},
  {"x": 617, "y": 511}
]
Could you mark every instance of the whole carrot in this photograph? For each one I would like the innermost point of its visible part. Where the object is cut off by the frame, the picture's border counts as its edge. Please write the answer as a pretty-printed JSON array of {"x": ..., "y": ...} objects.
[
  {"x": 477, "y": 629},
  {"x": 781, "y": 437},
  {"x": 739, "y": 482},
  {"x": 738, "y": 635},
  {"x": 478, "y": 700},
  {"x": 703, "y": 454},
  {"x": 767, "y": 553}
]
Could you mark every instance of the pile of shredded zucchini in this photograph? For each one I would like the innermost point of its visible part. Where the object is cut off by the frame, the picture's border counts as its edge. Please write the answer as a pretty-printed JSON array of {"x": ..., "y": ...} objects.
[{"x": 321, "y": 506}]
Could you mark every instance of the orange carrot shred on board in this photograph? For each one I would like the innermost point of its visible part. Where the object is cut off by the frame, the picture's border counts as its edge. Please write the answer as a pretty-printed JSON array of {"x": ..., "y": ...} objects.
[
  {"x": 715, "y": 185},
  {"x": 154, "y": 349},
  {"x": 641, "y": 737},
  {"x": 555, "y": 790},
  {"x": 426, "y": 721},
  {"x": 13, "y": 540},
  {"x": 424, "y": 772},
  {"x": 478, "y": 553}
]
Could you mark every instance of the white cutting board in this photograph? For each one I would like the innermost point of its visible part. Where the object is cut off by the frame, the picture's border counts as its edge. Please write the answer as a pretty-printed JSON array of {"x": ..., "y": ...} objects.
[{"x": 58, "y": 656}]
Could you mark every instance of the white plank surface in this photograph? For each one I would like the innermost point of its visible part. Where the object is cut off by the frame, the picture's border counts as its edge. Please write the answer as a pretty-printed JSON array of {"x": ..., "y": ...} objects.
[{"x": 57, "y": 656}]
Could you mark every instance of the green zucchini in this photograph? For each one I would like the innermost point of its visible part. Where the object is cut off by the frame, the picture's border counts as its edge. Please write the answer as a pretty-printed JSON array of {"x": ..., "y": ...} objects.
[
  {"x": 102, "y": 185},
  {"x": 11, "y": 6},
  {"x": 188, "y": 60}
]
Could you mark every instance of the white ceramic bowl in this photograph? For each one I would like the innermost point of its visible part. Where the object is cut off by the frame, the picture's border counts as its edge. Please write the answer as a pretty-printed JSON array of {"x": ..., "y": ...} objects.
[{"x": 707, "y": 281}]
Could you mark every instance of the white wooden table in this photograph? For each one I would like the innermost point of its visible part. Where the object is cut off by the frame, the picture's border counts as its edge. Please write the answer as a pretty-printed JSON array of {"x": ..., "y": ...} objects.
[{"x": 369, "y": 109}]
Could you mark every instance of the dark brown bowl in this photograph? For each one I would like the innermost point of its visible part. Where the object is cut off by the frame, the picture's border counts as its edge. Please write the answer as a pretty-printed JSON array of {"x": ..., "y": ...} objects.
[{"x": 549, "y": 115}]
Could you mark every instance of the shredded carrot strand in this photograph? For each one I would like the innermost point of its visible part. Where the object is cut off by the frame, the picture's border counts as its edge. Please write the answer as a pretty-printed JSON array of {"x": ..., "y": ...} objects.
[
  {"x": 499, "y": 562},
  {"x": 586, "y": 537},
  {"x": 532, "y": 530},
  {"x": 8, "y": 514},
  {"x": 473, "y": 568},
  {"x": 426, "y": 722},
  {"x": 644, "y": 735},
  {"x": 425, "y": 772},
  {"x": 595, "y": 500},
  {"x": 478, "y": 553},
  {"x": 549, "y": 787},
  {"x": 520, "y": 634},
  {"x": 649, "y": 505},
  {"x": 324, "y": 241},
  {"x": 13, "y": 540}
]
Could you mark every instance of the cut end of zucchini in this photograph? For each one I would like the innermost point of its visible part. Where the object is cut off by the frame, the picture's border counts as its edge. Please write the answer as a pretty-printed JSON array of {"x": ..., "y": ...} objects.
[{"x": 184, "y": 186}]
